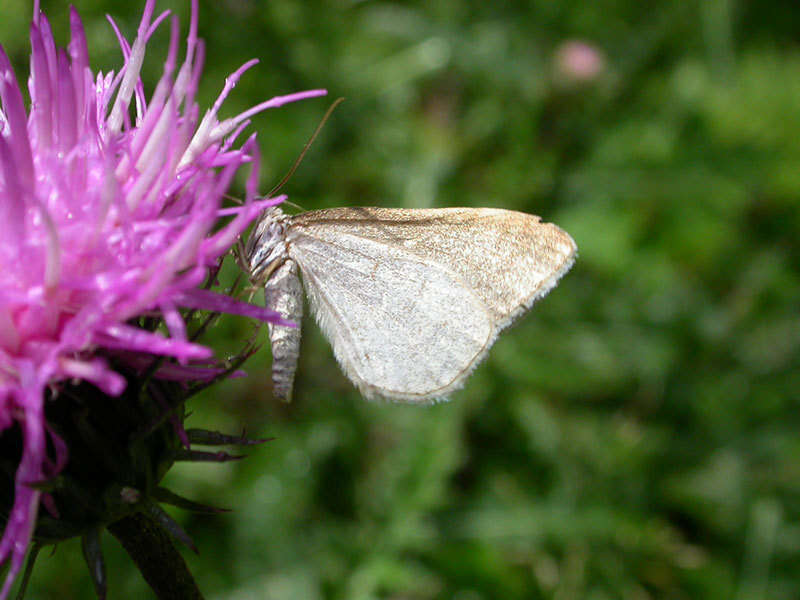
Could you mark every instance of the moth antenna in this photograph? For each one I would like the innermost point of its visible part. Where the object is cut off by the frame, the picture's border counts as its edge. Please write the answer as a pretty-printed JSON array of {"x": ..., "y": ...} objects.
[
  {"x": 310, "y": 141},
  {"x": 297, "y": 161},
  {"x": 294, "y": 205}
]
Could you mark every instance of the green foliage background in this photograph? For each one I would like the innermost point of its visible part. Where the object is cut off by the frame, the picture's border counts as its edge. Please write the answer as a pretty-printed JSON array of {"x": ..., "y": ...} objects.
[{"x": 636, "y": 435}]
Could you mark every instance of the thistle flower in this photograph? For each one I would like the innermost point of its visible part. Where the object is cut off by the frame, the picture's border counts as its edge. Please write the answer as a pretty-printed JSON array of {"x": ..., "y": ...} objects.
[{"x": 108, "y": 214}]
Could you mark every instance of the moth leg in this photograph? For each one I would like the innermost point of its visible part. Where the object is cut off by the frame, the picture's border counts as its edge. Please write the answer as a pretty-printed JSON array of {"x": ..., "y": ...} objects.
[{"x": 283, "y": 293}]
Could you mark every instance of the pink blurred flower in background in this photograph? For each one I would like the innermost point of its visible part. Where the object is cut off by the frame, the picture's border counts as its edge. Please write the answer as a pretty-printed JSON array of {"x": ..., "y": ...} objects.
[
  {"x": 579, "y": 62},
  {"x": 107, "y": 214}
]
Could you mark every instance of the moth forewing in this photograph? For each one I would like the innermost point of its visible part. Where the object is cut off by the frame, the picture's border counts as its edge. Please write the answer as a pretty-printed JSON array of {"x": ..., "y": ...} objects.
[{"x": 411, "y": 300}]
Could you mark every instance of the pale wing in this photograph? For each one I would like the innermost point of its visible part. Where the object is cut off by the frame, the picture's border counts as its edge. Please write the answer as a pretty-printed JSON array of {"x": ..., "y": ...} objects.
[
  {"x": 401, "y": 327},
  {"x": 413, "y": 299},
  {"x": 509, "y": 259}
]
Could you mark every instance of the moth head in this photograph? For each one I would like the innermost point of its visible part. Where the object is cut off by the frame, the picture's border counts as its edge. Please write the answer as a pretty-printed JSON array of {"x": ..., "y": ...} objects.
[{"x": 266, "y": 248}]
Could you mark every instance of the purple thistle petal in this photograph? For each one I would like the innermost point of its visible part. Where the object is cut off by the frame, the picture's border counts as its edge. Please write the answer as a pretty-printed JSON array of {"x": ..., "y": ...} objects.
[
  {"x": 14, "y": 544},
  {"x": 12, "y": 214},
  {"x": 95, "y": 371},
  {"x": 205, "y": 300},
  {"x": 67, "y": 120},
  {"x": 133, "y": 66},
  {"x": 174, "y": 321},
  {"x": 79, "y": 56},
  {"x": 40, "y": 88},
  {"x": 15, "y": 119},
  {"x": 223, "y": 128},
  {"x": 124, "y": 337}
]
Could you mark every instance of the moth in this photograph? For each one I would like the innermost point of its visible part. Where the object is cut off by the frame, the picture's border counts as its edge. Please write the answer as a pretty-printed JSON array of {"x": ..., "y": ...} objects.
[{"x": 410, "y": 299}]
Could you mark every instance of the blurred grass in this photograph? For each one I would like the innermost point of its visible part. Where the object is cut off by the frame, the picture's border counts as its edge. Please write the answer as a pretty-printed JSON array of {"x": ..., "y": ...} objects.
[{"x": 635, "y": 436}]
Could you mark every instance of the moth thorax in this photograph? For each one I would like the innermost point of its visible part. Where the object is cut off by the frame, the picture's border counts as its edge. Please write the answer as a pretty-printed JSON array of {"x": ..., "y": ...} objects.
[{"x": 266, "y": 248}]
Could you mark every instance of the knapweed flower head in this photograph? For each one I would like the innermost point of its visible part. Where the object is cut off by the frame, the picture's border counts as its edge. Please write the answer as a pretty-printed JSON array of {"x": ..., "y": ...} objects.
[{"x": 110, "y": 211}]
